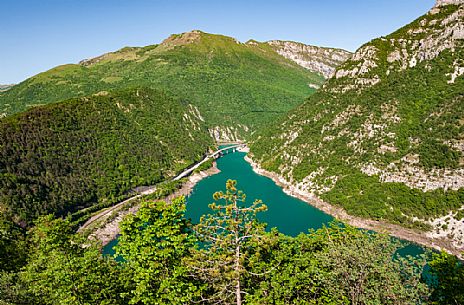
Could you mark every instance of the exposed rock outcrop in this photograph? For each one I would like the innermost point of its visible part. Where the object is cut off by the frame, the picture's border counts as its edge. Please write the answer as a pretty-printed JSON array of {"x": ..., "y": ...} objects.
[
  {"x": 5, "y": 87},
  {"x": 316, "y": 59},
  {"x": 447, "y": 2}
]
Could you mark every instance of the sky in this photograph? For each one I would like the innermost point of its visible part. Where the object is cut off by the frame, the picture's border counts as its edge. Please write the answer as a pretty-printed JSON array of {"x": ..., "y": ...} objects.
[{"x": 37, "y": 35}]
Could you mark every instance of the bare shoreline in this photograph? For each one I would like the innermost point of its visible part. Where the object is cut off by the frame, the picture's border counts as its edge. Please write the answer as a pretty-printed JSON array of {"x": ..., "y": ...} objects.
[
  {"x": 398, "y": 231},
  {"x": 110, "y": 230}
]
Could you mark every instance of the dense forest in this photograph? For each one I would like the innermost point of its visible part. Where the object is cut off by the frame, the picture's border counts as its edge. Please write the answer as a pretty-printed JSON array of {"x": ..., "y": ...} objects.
[
  {"x": 233, "y": 84},
  {"x": 385, "y": 143},
  {"x": 227, "y": 258},
  {"x": 88, "y": 152}
]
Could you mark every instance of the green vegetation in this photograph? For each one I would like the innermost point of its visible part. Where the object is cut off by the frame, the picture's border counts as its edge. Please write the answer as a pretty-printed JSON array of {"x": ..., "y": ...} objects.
[
  {"x": 226, "y": 237},
  {"x": 412, "y": 117},
  {"x": 153, "y": 243},
  {"x": 448, "y": 275},
  {"x": 68, "y": 156},
  {"x": 169, "y": 261},
  {"x": 231, "y": 83}
]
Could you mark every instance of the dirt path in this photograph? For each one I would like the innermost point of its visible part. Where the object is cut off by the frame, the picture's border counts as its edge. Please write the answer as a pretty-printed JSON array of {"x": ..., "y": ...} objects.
[{"x": 398, "y": 231}]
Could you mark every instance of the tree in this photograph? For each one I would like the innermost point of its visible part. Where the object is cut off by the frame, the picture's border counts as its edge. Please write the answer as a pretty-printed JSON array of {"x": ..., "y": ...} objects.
[
  {"x": 152, "y": 244},
  {"x": 335, "y": 265},
  {"x": 13, "y": 250},
  {"x": 361, "y": 268},
  {"x": 448, "y": 275},
  {"x": 226, "y": 238},
  {"x": 63, "y": 271}
]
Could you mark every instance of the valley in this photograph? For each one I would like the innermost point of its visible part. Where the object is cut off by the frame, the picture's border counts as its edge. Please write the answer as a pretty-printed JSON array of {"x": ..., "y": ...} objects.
[{"x": 205, "y": 169}]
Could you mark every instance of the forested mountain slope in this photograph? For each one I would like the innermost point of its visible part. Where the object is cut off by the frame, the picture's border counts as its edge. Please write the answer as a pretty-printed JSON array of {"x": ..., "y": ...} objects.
[
  {"x": 384, "y": 138},
  {"x": 236, "y": 86},
  {"x": 65, "y": 156}
]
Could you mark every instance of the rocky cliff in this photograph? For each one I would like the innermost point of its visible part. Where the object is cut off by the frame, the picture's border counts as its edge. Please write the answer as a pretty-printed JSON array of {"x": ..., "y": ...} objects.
[
  {"x": 448, "y": 2},
  {"x": 316, "y": 59},
  {"x": 5, "y": 87}
]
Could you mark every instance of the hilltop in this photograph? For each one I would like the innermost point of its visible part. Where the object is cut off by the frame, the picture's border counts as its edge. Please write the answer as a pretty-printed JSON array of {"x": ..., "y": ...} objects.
[
  {"x": 384, "y": 137},
  {"x": 236, "y": 86}
]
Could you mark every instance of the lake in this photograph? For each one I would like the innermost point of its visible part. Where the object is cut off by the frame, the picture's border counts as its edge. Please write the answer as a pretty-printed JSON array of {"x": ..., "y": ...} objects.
[{"x": 289, "y": 215}]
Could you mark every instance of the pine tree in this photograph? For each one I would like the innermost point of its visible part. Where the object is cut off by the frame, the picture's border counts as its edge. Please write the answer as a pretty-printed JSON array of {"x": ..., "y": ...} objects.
[{"x": 226, "y": 238}]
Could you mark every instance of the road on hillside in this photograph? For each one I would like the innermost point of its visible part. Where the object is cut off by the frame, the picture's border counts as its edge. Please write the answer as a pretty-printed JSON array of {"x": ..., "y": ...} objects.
[{"x": 152, "y": 189}]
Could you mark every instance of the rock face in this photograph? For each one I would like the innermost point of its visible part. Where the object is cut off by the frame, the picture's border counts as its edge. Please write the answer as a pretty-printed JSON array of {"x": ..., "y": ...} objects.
[
  {"x": 447, "y": 2},
  {"x": 390, "y": 121},
  {"x": 5, "y": 87},
  {"x": 423, "y": 41},
  {"x": 316, "y": 59}
]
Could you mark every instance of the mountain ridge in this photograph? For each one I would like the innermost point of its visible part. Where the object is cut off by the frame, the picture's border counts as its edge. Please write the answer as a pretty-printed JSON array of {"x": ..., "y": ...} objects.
[{"x": 237, "y": 87}]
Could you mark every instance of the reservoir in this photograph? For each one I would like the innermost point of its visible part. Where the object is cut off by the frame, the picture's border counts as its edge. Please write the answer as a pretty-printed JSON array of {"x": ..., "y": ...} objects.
[{"x": 289, "y": 215}]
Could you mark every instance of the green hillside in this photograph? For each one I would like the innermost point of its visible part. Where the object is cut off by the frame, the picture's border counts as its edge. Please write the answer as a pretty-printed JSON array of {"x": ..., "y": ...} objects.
[
  {"x": 384, "y": 138},
  {"x": 70, "y": 155},
  {"x": 233, "y": 84}
]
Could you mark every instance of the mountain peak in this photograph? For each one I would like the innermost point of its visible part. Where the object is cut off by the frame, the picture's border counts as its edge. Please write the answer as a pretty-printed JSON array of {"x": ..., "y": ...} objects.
[{"x": 183, "y": 38}]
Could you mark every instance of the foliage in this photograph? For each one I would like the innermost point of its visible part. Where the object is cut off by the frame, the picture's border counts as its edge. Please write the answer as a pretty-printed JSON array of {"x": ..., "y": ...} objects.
[
  {"x": 152, "y": 243},
  {"x": 448, "y": 275},
  {"x": 67, "y": 156},
  {"x": 205, "y": 166},
  {"x": 335, "y": 265},
  {"x": 226, "y": 237},
  {"x": 228, "y": 252},
  {"x": 61, "y": 271},
  {"x": 13, "y": 245}
]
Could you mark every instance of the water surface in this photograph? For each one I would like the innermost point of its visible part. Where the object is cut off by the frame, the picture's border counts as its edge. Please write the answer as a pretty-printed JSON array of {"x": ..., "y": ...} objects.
[{"x": 289, "y": 215}]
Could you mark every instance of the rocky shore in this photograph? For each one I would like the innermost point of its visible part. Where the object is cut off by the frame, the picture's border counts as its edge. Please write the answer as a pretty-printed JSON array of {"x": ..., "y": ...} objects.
[{"x": 397, "y": 231}]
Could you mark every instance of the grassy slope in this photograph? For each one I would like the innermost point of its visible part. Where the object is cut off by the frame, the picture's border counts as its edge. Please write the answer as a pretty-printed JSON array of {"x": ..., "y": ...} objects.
[
  {"x": 65, "y": 156},
  {"x": 416, "y": 95},
  {"x": 230, "y": 82}
]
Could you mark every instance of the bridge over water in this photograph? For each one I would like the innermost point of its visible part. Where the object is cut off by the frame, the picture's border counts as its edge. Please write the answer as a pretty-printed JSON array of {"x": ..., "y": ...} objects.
[{"x": 217, "y": 154}]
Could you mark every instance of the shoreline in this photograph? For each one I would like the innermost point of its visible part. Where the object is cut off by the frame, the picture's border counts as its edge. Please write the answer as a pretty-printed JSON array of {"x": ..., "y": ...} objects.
[
  {"x": 339, "y": 213},
  {"x": 110, "y": 230}
]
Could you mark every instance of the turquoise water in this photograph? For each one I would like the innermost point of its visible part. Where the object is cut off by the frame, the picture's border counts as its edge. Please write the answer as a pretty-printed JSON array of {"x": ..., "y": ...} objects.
[{"x": 289, "y": 215}]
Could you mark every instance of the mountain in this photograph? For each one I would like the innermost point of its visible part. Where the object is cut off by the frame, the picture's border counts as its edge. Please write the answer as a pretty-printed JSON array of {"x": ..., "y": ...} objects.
[
  {"x": 317, "y": 59},
  {"x": 384, "y": 137},
  {"x": 63, "y": 157},
  {"x": 236, "y": 86}
]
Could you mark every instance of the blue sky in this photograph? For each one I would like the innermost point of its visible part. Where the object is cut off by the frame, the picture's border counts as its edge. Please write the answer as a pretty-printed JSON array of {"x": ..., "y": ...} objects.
[{"x": 37, "y": 35}]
